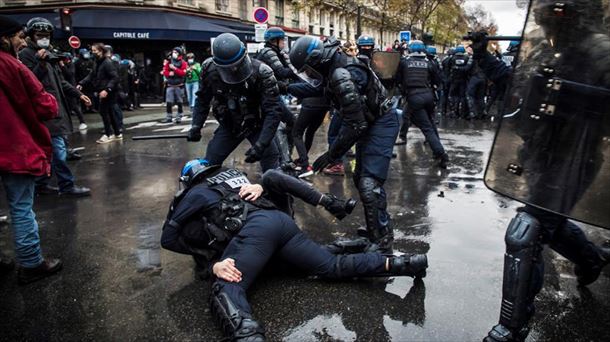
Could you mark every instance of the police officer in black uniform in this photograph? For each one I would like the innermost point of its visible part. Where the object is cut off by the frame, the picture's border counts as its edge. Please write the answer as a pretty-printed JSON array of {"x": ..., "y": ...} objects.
[
  {"x": 417, "y": 78},
  {"x": 274, "y": 56},
  {"x": 368, "y": 121},
  {"x": 475, "y": 90},
  {"x": 366, "y": 46},
  {"x": 557, "y": 136},
  {"x": 446, "y": 73},
  {"x": 245, "y": 100},
  {"x": 222, "y": 217},
  {"x": 460, "y": 69}
]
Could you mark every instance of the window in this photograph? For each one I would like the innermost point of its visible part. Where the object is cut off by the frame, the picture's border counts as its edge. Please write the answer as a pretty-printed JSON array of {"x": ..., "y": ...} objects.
[
  {"x": 279, "y": 12},
  {"x": 296, "y": 23},
  {"x": 322, "y": 18},
  {"x": 321, "y": 30},
  {"x": 331, "y": 20},
  {"x": 243, "y": 9},
  {"x": 222, "y": 5},
  {"x": 186, "y": 2},
  {"x": 259, "y": 3}
]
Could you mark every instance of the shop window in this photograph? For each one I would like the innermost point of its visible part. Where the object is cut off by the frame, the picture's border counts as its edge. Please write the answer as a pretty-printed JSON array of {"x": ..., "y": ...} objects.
[
  {"x": 222, "y": 6},
  {"x": 259, "y": 3}
]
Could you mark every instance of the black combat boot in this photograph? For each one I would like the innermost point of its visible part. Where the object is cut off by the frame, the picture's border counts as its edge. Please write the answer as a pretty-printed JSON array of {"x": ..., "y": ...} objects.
[
  {"x": 500, "y": 333},
  {"x": 587, "y": 275},
  {"x": 338, "y": 207},
  {"x": 410, "y": 265}
]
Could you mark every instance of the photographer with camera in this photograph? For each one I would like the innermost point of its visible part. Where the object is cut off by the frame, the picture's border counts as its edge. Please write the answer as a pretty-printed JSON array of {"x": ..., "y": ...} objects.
[{"x": 39, "y": 58}]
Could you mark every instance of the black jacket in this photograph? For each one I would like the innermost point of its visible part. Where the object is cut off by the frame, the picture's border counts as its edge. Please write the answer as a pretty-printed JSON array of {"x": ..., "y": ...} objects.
[
  {"x": 253, "y": 105},
  {"x": 103, "y": 76},
  {"x": 50, "y": 75}
]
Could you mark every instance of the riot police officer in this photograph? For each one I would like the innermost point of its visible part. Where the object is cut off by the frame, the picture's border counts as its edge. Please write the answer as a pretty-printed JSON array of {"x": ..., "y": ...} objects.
[
  {"x": 274, "y": 56},
  {"x": 366, "y": 46},
  {"x": 475, "y": 90},
  {"x": 417, "y": 78},
  {"x": 557, "y": 135},
  {"x": 222, "y": 218},
  {"x": 460, "y": 69},
  {"x": 446, "y": 74},
  {"x": 368, "y": 121},
  {"x": 245, "y": 100}
]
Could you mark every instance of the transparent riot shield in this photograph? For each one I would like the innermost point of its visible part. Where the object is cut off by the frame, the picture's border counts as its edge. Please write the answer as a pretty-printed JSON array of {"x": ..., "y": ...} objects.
[
  {"x": 385, "y": 64},
  {"x": 552, "y": 148}
]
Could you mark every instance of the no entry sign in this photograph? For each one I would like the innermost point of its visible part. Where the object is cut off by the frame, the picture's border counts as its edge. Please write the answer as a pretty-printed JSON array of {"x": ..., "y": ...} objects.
[
  {"x": 74, "y": 42},
  {"x": 261, "y": 15}
]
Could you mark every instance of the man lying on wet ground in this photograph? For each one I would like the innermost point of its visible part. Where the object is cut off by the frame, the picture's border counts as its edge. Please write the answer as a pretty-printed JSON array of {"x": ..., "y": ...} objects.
[{"x": 237, "y": 227}]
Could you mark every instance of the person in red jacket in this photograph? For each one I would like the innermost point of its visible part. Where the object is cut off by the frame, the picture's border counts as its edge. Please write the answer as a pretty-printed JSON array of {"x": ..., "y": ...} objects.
[
  {"x": 174, "y": 71},
  {"x": 25, "y": 150}
]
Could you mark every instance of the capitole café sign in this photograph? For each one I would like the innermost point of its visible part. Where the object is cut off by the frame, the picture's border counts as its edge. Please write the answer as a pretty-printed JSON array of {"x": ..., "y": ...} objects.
[{"x": 131, "y": 35}]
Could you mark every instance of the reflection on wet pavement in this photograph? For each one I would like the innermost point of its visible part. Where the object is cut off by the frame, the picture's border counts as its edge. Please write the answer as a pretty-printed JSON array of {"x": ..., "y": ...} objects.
[{"x": 119, "y": 285}]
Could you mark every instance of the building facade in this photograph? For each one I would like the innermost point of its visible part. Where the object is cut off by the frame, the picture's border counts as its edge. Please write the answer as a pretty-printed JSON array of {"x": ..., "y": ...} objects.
[{"x": 329, "y": 18}]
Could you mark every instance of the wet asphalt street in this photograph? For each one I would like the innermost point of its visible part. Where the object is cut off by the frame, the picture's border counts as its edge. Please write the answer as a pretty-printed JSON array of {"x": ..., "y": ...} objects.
[{"x": 118, "y": 285}]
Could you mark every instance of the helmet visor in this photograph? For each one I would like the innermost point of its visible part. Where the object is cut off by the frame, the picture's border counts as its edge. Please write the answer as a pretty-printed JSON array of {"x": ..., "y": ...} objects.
[
  {"x": 311, "y": 76},
  {"x": 42, "y": 27},
  {"x": 236, "y": 72}
]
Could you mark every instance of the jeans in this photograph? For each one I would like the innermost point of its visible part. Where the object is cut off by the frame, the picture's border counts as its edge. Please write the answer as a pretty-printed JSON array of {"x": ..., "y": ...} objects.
[
  {"x": 20, "y": 196},
  {"x": 191, "y": 93},
  {"x": 59, "y": 166}
]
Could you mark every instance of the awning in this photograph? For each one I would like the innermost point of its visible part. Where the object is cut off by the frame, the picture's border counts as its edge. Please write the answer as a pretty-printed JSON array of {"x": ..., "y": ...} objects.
[{"x": 146, "y": 24}]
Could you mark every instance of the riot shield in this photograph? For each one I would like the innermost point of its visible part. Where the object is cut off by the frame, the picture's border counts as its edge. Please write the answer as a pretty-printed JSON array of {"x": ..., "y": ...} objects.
[
  {"x": 552, "y": 147},
  {"x": 385, "y": 64}
]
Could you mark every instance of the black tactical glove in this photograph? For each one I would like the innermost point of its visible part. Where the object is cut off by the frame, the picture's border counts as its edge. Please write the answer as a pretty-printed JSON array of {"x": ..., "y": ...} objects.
[
  {"x": 254, "y": 153},
  {"x": 323, "y": 161},
  {"x": 194, "y": 134},
  {"x": 479, "y": 44}
]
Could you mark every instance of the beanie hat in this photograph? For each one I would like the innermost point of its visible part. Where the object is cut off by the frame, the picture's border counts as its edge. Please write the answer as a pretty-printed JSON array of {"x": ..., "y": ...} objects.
[{"x": 9, "y": 26}]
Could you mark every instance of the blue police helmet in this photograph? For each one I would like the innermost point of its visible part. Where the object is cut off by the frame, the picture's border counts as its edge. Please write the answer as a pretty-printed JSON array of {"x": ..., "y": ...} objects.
[
  {"x": 460, "y": 49},
  {"x": 431, "y": 50},
  {"x": 513, "y": 45},
  {"x": 365, "y": 40},
  {"x": 195, "y": 170},
  {"x": 417, "y": 46},
  {"x": 273, "y": 33}
]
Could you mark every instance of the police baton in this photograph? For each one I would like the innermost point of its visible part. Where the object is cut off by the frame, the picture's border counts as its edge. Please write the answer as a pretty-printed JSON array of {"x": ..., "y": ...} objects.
[
  {"x": 491, "y": 38},
  {"x": 159, "y": 137}
]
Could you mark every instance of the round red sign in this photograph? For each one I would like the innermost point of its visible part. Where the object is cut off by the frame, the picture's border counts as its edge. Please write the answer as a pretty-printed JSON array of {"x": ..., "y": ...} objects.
[
  {"x": 261, "y": 15},
  {"x": 74, "y": 42}
]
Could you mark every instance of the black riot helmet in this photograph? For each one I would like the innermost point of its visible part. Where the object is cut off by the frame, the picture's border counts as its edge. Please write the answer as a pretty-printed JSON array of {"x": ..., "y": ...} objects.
[
  {"x": 310, "y": 56},
  {"x": 231, "y": 58},
  {"x": 38, "y": 24}
]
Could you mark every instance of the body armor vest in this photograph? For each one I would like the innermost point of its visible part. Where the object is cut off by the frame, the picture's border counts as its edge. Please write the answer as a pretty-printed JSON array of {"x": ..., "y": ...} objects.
[
  {"x": 375, "y": 94},
  {"x": 416, "y": 73}
]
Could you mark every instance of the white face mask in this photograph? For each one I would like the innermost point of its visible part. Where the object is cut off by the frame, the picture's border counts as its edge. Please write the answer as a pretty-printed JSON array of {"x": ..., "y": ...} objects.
[
  {"x": 191, "y": 61},
  {"x": 43, "y": 43},
  {"x": 174, "y": 55}
]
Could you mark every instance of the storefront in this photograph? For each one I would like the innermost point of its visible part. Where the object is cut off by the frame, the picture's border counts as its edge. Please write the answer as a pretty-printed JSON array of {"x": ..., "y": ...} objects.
[{"x": 145, "y": 35}]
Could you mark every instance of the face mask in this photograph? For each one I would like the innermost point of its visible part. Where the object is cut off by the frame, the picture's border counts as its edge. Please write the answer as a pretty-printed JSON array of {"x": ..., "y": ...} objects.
[
  {"x": 174, "y": 55},
  {"x": 43, "y": 43},
  {"x": 191, "y": 61}
]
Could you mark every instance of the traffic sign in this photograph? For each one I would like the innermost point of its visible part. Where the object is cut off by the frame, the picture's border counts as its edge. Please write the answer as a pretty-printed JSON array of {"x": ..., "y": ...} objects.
[
  {"x": 261, "y": 15},
  {"x": 74, "y": 42},
  {"x": 405, "y": 35},
  {"x": 259, "y": 32}
]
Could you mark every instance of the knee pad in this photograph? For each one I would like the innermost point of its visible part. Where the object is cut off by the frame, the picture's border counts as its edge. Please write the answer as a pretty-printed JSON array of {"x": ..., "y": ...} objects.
[
  {"x": 523, "y": 256},
  {"x": 370, "y": 190}
]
